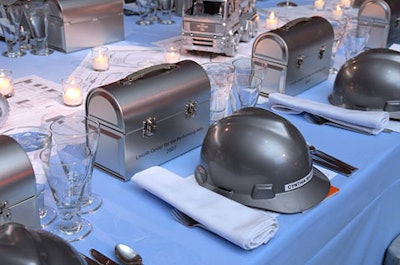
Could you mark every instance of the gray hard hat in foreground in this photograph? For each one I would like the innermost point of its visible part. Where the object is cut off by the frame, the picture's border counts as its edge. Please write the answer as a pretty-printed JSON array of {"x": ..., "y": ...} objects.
[{"x": 260, "y": 159}]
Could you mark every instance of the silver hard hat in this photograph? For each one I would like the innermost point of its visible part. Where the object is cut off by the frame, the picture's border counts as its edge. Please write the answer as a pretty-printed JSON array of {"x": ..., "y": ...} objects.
[
  {"x": 369, "y": 81},
  {"x": 260, "y": 159},
  {"x": 20, "y": 245}
]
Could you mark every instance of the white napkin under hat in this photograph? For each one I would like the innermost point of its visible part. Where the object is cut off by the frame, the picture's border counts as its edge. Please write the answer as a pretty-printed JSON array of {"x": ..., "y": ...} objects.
[
  {"x": 372, "y": 122},
  {"x": 242, "y": 225}
]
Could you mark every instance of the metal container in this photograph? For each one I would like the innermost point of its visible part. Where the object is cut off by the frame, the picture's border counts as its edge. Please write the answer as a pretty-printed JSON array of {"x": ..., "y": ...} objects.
[
  {"x": 150, "y": 117},
  {"x": 17, "y": 185},
  {"x": 80, "y": 24},
  {"x": 297, "y": 55},
  {"x": 380, "y": 13}
]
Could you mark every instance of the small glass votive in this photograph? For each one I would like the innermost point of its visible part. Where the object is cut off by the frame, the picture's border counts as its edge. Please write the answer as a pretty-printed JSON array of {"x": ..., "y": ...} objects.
[
  {"x": 272, "y": 20},
  {"x": 346, "y": 4},
  {"x": 337, "y": 13},
  {"x": 72, "y": 91},
  {"x": 319, "y": 5},
  {"x": 6, "y": 83},
  {"x": 100, "y": 58},
  {"x": 172, "y": 53}
]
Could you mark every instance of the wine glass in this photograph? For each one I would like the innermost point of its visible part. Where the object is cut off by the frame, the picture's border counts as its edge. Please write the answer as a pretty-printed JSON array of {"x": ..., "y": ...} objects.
[
  {"x": 339, "y": 27},
  {"x": 287, "y": 4},
  {"x": 67, "y": 169},
  {"x": 34, "y": 140},
  {"x": 165, "y": 12},
  {"x": 37, "y": 14},
  {"x": 10, "y": 21},
  {"x": 77, "y": 132}
]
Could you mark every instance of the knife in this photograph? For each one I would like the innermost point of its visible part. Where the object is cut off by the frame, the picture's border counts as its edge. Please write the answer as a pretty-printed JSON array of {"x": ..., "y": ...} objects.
[
  {"x": 89, "y": 261},
  {"x": 101, "y": 258}
]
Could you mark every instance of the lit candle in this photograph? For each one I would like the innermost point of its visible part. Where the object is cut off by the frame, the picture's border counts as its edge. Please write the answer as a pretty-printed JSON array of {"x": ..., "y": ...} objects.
[
  {"x": 100, "y": 58},
  {"x": 72, "y": 94},
  {"x": 346, "y": 4},
  {"x": 172, "y": 53},
  {"x": 319, "y": 5},
  {"x": 337, "y": 13},
  {"x": 272, "y": 21},
  {"x": 6, "y": 86}
]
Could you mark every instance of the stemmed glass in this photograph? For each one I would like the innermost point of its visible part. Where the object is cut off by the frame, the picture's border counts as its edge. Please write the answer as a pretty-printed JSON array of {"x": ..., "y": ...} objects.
[
  {"x": 34, "y": 140},
  {"x": 165, "y": 12},
  {"x": 77, "y": 132},
  {"x": 147, "y": 10},
  {"x": 287, "y": 4},
  {"x": 67, "y": 169},
  {"x": 10, "y": 21},
  {"x": 37, "y": 14},
  {"x": 339, "y": 27}
]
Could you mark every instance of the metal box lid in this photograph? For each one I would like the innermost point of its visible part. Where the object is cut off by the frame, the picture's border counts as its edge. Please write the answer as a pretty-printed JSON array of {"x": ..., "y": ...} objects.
[
  {"x": 160, "y": 89},
  {"x": 17, "y": 179}
]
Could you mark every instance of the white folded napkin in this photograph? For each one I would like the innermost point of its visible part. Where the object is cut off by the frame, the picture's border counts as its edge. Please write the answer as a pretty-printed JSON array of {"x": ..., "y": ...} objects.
[
  {"x": 372, "y": 122},
  {"x": 242, "y": 225}
]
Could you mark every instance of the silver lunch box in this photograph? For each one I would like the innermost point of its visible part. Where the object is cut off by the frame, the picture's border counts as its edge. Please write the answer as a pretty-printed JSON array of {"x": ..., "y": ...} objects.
[
  {"x": 150, "y": 117},
  {"x": 76, "y": 25},
  {"x": 17, "y": 185},
  {"x": 297, "y": 55}
]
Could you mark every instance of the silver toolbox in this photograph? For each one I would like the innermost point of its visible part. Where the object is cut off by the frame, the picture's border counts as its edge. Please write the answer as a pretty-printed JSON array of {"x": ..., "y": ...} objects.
[
  {"x": 80, "y": 24},
  {"x": 150, "y": 117},
  {"x": 297, "y": 55},
  {"x": 17, "y": 185},
  {"x": 384, "y": 18}
]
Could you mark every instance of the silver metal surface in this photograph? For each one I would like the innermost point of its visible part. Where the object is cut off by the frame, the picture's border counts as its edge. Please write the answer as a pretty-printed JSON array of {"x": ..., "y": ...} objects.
[
  {"x": 18, "y": 185},
  {"x": 80, "y": 24},
  {"x": 298, "y": 55},
  {"x": 370, "y": 81},
  {"x": 377, "y": 15},
  {"x": 261, "y": 160},
  {"x": 218, "y": 25},
  {"x": 161, "y": 93}
]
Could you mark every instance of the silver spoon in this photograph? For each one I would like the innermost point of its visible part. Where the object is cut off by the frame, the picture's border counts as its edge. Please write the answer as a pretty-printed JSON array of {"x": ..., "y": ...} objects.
[{"x": 127, "y": 255}]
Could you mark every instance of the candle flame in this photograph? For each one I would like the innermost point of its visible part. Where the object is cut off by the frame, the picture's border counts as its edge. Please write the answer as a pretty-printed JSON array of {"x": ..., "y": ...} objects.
[{"x": 272, "y": 15}]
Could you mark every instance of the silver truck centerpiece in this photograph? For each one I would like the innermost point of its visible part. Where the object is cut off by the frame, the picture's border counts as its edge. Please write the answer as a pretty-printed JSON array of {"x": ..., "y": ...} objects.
[{"x": 218, "y": 26}]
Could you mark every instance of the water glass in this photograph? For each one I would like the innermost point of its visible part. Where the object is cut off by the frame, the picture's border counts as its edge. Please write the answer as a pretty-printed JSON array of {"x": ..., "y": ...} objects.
[
  {"x": 247, "y": 90},
  {"x": 339, "y": 28},
  {"x": 38, "y": 17},
  {"x": 166, "y": 11},
  {"x": 355, "y": 42},
  {"x": 67, "y": 169},
  {"x": 10, "y": 21},
  {"x": 34, "y": 140},
  {"x": 147, "y": 9},
  {"x": 221, "y": 79},
  {"x": 75, "y": 132}
]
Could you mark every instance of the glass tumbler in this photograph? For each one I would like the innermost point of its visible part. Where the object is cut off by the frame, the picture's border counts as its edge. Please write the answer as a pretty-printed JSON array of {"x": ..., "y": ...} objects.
[
  {"x": 34, "y": 140},
  {"x": 67, "y": 169},
  {"x": 75, "y": 132}
]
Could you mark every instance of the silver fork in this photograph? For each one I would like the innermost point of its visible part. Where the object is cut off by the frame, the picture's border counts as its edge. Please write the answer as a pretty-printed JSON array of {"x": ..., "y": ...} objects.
[{"x": 185, "y": 219}]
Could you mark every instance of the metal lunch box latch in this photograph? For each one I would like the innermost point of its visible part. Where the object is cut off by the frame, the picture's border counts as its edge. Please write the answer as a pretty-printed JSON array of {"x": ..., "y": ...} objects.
[
  {"x": 322, "y": 51},
  {"x": 300, "y": 60},
  {"x": 190, "y": 109},
  {"x": 149, "y": 127},
  {"x": 4, "y": 214}
]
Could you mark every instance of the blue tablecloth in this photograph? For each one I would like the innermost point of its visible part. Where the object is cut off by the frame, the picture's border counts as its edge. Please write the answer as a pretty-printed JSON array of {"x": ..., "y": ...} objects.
[{"x": 354, "y": 226}]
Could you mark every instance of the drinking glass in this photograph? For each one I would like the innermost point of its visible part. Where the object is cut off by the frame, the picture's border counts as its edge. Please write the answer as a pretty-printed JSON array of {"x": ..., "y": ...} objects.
[
  {"x": 38, "y": 17},
  {"x": 221, "y": 78},
  {"x": 144, "y": 13},
  {"x": 247, "y": 89},
  {"x": 10, "y": 21},
  {"x": 339, "y": 27},
  {"x": 355, "y": 42},
  {"x": 287, "y": 4},
  {"x": 165, "y": 12},
  {"x": 77, "y": 132},
  {"x": 34, "y": 140},
  {"x": 67, "y": 169}
]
